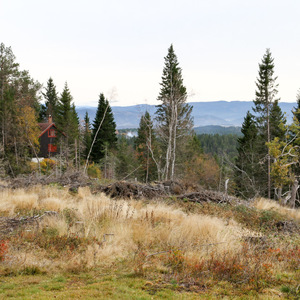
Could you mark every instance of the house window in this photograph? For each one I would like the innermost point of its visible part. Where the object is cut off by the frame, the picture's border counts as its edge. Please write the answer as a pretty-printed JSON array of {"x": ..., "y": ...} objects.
[
  {"x": 52, "y": 148},
  {"x": 51, "y": 133}
]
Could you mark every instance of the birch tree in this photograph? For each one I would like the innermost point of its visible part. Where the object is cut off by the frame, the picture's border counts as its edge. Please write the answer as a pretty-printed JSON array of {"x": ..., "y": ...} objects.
[
  {"x": 146, "y": 150},
  {"x": 285, "y": 154}
]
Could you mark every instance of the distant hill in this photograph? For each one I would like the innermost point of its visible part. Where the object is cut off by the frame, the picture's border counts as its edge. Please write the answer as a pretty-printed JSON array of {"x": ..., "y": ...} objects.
[
  {"x": 221, "y": 113},
  {"x": 216, "y": 129}
]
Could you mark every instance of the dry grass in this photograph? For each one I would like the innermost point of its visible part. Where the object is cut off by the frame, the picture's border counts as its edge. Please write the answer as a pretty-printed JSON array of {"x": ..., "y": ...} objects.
[
  {"x": 122, "y": 226},
  {"x": 266, "y": 204},
  {"x": 95, "y": 231}
]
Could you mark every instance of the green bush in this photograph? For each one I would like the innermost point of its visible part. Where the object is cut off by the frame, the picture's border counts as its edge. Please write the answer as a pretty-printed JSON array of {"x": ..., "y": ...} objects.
[{"x": 94, "y": 171}]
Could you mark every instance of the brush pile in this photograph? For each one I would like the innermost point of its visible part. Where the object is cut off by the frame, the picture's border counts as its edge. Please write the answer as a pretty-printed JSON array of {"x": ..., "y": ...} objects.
[
  {"x": 125, "y": 189},
  {"x": 10, "y": 225},
  {"x": 128, "y": 190}
]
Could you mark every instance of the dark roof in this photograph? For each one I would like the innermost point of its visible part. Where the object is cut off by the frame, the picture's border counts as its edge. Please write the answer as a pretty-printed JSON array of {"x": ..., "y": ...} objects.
[{"x": 44, "y": 127}]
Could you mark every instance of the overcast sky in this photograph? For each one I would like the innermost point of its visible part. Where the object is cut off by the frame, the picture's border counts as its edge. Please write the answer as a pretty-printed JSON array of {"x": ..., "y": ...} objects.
[{"x": 118, "y": 47}]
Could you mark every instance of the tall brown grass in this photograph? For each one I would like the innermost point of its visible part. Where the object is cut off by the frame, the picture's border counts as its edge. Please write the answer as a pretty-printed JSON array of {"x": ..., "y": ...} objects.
[
  {"x": 91, "y": 230},
  {"x": 121, "y": 227},
  {"x": 266, "y": 204}
]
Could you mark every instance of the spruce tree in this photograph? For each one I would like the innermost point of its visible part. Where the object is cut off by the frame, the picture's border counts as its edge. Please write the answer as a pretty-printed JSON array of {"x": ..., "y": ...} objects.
[
  {"x": 277, "y": 119},
  {"x": 265, "y": 97},
  {"x": 107, "y": 131},
  {"x": 173, "y": 115},
  {"x": 146, "y": 149},
  {"x": 68, "y": 121},
  {"x": 87, "y": 135},
  {"x": 51, "y": 101},
  {"x": 247, "y": 161},
  {"x": 294, "y": 133}
]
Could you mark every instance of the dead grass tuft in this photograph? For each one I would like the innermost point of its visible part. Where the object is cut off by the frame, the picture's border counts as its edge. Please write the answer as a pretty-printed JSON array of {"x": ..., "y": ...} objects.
[{"x": 266, "y": 204}]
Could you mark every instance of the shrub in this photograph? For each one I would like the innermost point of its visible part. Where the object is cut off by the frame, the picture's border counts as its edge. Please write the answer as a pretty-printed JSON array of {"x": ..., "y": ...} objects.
[
  {"x": 94, "y": 171},
  {"x": 31, "y": 270},
  {"x": 3, "y": 249},
  {"x": 47, "y": 165}
]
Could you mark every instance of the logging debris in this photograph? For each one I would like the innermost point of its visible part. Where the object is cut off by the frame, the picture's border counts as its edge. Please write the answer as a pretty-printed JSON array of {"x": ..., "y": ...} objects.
[
  {"x": 10, "y": 225},
  {"x": 127, "y": 190}
]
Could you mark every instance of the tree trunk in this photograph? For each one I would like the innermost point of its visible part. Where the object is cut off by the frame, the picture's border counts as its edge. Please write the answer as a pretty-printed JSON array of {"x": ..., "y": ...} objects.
[
  {"x": 75, "y": 145},
  {"x": 147, "y": 166},
  {"x": 79, "y": 150},
  {"x": 174, "y": 140},
  {"x": 295, "y": 187},
  {"x": 158, "y": 166},
  {"x": 279, "y": 195},
  {"x": 16, "y": 151},
  {"x": 268, "y": 139},
  {"x": 169, "y": 149},
  {"x": 105, "y": 163}
]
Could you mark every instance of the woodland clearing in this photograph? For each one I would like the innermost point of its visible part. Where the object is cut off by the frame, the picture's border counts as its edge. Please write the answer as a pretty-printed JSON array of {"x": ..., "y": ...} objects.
[{"x": 62, "y": 243}]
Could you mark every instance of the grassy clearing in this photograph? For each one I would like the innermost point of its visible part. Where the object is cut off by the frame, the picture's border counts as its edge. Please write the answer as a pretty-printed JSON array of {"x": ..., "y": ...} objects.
[{"x": 94, "y": 245}]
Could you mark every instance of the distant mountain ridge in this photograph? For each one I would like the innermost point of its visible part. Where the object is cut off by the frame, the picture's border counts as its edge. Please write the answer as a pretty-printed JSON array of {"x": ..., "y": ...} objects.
[{"x": 222, "y": 113}]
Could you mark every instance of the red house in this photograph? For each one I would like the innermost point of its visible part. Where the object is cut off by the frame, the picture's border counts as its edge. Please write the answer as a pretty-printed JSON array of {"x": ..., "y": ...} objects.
[{"x": 48, "y": 139}]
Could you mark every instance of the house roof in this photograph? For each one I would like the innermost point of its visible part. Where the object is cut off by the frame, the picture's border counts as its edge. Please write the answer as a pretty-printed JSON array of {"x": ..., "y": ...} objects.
[{"x": 45, "y": 126}]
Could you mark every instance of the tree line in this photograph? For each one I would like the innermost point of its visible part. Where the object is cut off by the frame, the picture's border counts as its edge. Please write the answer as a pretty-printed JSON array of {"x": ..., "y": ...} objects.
[
  {"x": 156, "y": 154},
  {"x": 263, "y": 161}
]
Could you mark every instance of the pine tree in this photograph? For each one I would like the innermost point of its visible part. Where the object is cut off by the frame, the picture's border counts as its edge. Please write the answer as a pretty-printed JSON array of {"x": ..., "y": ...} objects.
[
  {"x": 107, "y": 131},
  {"x": 146, "y": 149},
  {"x": 265, "y": 96},
  {"x": 173, "y": 114}
]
